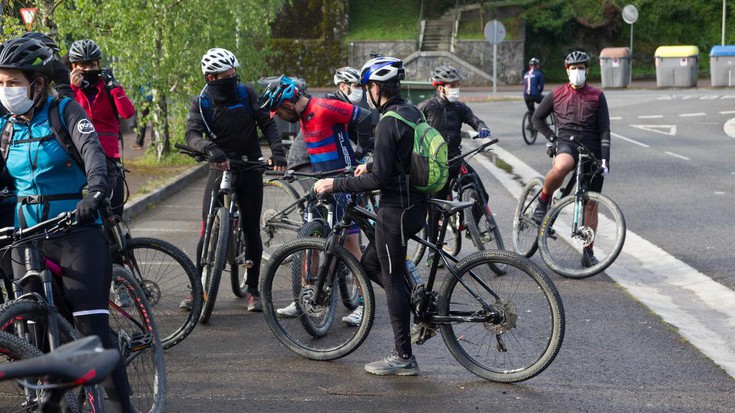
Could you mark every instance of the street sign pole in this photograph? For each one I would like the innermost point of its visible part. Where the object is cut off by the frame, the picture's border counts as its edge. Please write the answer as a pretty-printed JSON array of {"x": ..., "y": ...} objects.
[
  {"x": 495, "y": 58},
  {"x": 630, "y": 16},
  {"x": 495, "y": 33}
]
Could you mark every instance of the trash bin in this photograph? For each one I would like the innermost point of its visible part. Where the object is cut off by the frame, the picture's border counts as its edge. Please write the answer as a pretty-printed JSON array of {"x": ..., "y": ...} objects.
[
  {"x": 677, "y": 66},
  {"x": 415, "y": 91},
  {"x": 722, "y": 65},
  {"x": 615, "y": 67},
  {"x": 287, "y": 130}
]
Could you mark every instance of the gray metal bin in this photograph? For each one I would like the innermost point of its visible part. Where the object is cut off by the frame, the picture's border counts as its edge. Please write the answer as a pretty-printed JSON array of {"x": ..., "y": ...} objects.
[
  {"x": 722, "y": 65},
  {"x": 677, "y": 66},
  {"x": 615, "y": 67}
]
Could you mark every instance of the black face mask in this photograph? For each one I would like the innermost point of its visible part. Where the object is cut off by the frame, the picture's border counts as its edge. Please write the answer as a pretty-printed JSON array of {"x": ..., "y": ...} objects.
[
  {"x": 90, "y": 78},
  {"x": 223, "y": 89}
]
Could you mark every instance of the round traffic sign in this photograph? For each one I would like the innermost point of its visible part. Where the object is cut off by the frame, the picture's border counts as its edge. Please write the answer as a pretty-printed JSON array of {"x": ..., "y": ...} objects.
[
  {"x": 494, "y": 31},
  {"x": 630, "y": 14}
]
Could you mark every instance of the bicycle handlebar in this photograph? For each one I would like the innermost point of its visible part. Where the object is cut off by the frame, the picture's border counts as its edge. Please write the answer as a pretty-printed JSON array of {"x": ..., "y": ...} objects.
[
  {"x": 290, "y": 175},
  {"x": 240, "y": 164},
  {"x": 61, "y": 222},
  {"x": 473, "y": 152}
]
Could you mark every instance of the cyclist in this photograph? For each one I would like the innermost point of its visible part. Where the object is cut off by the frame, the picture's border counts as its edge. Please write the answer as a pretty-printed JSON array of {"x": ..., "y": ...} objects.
[
  {"x": 401, "y": 213},
  {"x": 99, "y": 93},
  {"x": 533, "y": 86},
  {"x": 60, "y": 73},
  {"x": 349, "y": 90},
  {"x": 49, "y": 182},
  {"x": 324, "y": 126},
  {"x": 581, "y": 112},
  {"x": 231, "y": 134},
  {"x": 447, "y": 114}
]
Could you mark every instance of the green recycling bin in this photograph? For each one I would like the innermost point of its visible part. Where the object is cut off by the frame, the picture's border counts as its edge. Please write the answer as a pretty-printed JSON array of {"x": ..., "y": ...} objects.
[{"x": 415, "y": 91}]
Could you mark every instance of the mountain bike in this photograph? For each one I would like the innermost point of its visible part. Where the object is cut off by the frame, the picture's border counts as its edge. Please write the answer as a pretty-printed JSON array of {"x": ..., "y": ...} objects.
[
  {"x": 503, "y": 328},
  {"x": 529, "y": 131},
  {"x": 223, "y": 242},
  {"x": 37, "y": 317},
  {"x": 45, "y": 382},
  {"x": 567, "y": 227}
]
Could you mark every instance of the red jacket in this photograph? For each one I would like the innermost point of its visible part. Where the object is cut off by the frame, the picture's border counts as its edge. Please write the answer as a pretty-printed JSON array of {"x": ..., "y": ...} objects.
[{"x": 103, "y": 115}]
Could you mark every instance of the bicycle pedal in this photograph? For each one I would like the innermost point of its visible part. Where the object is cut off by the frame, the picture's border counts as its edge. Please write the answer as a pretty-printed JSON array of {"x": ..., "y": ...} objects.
[{"x": 248, "y": 264}]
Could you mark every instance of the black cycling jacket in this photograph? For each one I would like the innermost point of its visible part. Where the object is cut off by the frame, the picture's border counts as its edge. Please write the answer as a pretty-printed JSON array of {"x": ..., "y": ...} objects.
[
  {"x": 581, "y": 113},
  {"x": 389, "y": 171},
  {"x": 448, "y": 117},
  {"x": 235, "y": 129}
]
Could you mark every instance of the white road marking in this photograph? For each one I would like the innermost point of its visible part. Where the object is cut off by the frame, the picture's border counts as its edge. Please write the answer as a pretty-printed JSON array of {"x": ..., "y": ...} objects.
[
  {"x": 629, "y": 140},
  {"x": 702, "y": 309},
  {"x": 650, "y": 116},
  {"x": 669, "y": 130},
  {"x": 688, "y": 115},
  {"x": 615, "y": 118},
  {"x": 676, "y": 155},
  {"x": 726, "y": 112}
]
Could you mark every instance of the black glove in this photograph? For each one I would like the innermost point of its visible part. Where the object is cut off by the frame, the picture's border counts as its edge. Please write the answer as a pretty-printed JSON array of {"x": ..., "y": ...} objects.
[
  {"x": 277, "y": 161},
  {"x": 215, "y": 154},
  {"x": 109, "y": 78},
  {"x": 551, "y": 149},
  {"x": 88, "y": 206}
]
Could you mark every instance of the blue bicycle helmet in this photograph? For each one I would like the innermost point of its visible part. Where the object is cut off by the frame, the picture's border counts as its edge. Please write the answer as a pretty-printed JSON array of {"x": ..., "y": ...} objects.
[
  {"x": 282, "y": 90},
  {"x": 382, "y": 69}
]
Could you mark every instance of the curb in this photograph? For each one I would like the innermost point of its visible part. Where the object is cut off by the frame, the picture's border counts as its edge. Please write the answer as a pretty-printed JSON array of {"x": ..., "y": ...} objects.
[{"x": 175, "y": 184}]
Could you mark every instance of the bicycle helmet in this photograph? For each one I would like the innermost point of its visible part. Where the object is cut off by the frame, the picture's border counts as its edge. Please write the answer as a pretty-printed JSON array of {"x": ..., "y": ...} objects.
[
  {"x": 218, "y": 60},
  {"x": 346, "y": 75},
  {"x": 577, "y": 57},
  {"x": 534, "y": 62},
  {"x": 47, "y": 41},
  {"x": 382, "y": 69},
  {"x": 84, "y": 51},
  {"x": 282, "y": 90},
  {"x": 27, "y": 55},
  {"x": 445, "y": 74}
]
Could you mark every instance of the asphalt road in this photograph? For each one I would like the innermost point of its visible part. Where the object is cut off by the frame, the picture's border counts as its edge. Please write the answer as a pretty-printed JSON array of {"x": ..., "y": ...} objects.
[{"x": 617, "y": 356}]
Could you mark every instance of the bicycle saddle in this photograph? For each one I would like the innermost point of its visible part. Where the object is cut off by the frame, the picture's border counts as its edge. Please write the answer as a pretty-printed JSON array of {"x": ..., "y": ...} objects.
[
  {"x": 80, "y": 362},
  {"x": 449, "y": 207}
]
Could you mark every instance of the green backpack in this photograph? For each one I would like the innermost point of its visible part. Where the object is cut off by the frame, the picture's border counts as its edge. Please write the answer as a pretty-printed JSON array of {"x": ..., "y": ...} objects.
[{"x": 429, "y": 168}]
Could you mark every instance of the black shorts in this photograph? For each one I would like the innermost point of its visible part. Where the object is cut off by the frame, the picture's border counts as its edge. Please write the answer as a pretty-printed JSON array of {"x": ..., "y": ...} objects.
[{"x": 595, "y": 183}]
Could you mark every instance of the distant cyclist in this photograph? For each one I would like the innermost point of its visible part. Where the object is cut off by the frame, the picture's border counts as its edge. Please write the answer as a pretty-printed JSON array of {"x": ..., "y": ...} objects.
[
  {"x": 581, "y": 112},
  {"x": 231, "y": 133},
  {"x": 533, "y": 86}
]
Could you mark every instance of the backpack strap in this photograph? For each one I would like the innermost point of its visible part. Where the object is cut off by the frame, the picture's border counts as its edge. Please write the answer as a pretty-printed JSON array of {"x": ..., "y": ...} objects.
[
  {"x": 394, "y": 114},
  {"x": 6, "y": 136},
  {"x": 60, "y": 130}
]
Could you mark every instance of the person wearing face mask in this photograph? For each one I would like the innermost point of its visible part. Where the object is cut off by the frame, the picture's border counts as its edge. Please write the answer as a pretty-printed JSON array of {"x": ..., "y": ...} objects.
[
  {"x": 49, "y": 181},
  {"x": 447, "y": 114},
  {"x": 349, "y": 90},
  {"x": 324, "y": 125},
  {"x": 104, "y": 99},
  {"x": 581, "y": 112},
  {"x": 231, "y": 133}
]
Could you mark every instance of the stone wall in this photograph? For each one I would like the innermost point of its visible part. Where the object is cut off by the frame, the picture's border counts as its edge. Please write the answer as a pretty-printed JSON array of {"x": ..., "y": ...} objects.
[
  {"x": 479, "y": 53},
  {"x": 359, "y": 52}
]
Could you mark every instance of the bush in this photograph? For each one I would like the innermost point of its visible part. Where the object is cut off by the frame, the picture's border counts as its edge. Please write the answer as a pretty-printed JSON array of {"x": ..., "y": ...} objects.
[{"x": 312, "y": 60}]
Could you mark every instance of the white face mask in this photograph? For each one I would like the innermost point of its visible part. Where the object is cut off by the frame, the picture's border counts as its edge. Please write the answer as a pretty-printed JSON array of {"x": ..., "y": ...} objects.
[
  {"x": 371, "y": 104},
  {"x": 577, "y": 77},
  {"x": 452, "y": 94},
  {"x": 356, "y": 95},
  {"x": 15, "y": 99}
]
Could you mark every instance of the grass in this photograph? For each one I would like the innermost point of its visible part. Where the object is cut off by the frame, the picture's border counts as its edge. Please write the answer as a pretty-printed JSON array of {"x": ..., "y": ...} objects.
[{"x": 383, "y": 20}]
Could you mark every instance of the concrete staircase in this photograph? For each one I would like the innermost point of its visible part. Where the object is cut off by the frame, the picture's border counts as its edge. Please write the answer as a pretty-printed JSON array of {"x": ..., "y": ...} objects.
[{"x": 437, "y": 35}]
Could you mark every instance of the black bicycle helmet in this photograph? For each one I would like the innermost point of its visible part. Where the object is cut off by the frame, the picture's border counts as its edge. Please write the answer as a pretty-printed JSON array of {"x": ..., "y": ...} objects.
[
  {"x": 445, "y": 74},
  {"x": 534, "y": 62},
  {"x": 84, "y": 51},
  {"x": 577, "y": 57},
  {"x": 47, "y": 41},
  {"x": 27, "y": 55}
]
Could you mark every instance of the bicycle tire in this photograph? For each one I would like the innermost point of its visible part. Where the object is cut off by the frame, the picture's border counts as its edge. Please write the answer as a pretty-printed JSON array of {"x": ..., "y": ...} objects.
[
  {"x": 167, "y": 277},
  {"x": 214, "y": 264},
  {"x": 134, "y": 328},
  {"x": 277, "y": 291},
  {"x": 482, "y": 226},
  {"x": 525, "y": 229},
  {"x": 277, "y": 229},
  {"x": 531, "y": 332},
  {"x": 529, "y": 136},
  {"x": 235, "y": 253},
  {"x": 562, "y": 252},
  {"x": 13, "y": 395}
]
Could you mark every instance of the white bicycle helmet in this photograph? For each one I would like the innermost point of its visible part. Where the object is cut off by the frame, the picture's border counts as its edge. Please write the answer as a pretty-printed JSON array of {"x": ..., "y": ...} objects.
[
  {"x": 382, "y": 69},
  {"x": 346, "y": 75},
  {"x": 218, "y": 60}
]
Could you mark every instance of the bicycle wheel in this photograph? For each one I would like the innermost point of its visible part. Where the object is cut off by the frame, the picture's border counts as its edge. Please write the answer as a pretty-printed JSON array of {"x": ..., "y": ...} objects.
[
  {"x": 529, "y": 133},
  {"x": 562, "y": 251},
  {"x": 235, "y": 259},
  {"x": 13, "y": 396},
  {"x": 525, "y": 230},
  {"x": 214, "y": 261},
  {"x": 278, "y": 223},
  {"x": 168, "y": 277},
  {"x": 134, "y": 328},
  {"x": 482, "y": 227},
  {"x": 529, "y": 331},
  {"x": 277, "y": 291}
]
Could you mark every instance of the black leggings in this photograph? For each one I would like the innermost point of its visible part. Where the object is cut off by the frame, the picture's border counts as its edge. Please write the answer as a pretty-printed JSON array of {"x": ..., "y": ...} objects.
[
  {"x": 249, "y": 190},
  {"x": 385, "y": 263}
]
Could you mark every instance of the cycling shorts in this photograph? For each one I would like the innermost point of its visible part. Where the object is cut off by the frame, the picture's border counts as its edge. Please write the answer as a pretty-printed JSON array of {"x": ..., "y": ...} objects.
[{"x": 595, "y": 183}]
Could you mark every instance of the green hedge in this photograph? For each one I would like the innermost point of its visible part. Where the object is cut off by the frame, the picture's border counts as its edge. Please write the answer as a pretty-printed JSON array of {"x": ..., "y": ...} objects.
[{"x": 311, "y": 60}]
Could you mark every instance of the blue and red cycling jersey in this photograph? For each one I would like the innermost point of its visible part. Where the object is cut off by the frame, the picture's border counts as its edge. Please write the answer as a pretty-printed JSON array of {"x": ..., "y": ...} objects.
[{"x": 324, "y": 125}]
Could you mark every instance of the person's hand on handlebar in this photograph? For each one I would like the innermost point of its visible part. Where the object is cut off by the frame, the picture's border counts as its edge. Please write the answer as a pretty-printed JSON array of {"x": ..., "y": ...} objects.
[
  {"x": 483, "y": 133},
  {"x": 604, "y": 168},
  {"x": 218, "y": 158},
  {"x": 324, "y": 186},
  {"x": 277, "y": 163},
  {"x": 361, "y": 169}
]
